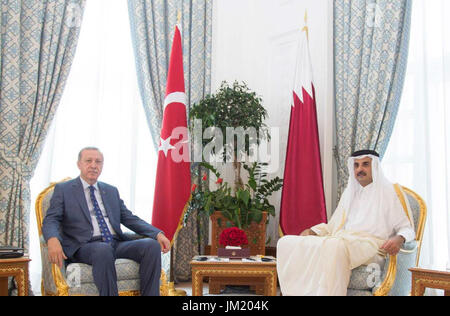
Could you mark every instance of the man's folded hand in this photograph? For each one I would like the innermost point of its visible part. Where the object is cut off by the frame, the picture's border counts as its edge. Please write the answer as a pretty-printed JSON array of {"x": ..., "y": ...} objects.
[
  {"x": 308, "y": 232},
  {"x": 163, "y": 242},
  {"x": 393, "y": 245}
]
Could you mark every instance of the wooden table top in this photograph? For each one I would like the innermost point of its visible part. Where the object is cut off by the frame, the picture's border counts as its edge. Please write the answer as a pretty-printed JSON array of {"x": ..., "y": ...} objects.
[
  {"x": 441, "y": 272},
  {"x": 212, "y": 260},
  {"x": 16, "y": 260}
]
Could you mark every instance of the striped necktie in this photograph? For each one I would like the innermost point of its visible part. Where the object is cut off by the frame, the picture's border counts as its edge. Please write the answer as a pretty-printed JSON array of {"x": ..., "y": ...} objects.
[{"x": 104, "y": 230}]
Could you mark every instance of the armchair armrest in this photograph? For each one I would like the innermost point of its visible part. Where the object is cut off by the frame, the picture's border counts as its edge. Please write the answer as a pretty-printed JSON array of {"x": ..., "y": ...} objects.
[
  {"x": 409, "y": 247},
  {"x": 53, "y": 280},
  {"x": 397, "y": 278}
]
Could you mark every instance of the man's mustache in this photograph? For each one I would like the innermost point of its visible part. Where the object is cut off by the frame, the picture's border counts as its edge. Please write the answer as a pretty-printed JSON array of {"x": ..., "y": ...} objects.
[{"x": 362, "y": 173}]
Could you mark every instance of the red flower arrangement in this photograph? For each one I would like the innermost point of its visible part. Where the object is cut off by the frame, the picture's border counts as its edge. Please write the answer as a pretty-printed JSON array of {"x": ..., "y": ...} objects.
[{"x": 233, "y": 237}]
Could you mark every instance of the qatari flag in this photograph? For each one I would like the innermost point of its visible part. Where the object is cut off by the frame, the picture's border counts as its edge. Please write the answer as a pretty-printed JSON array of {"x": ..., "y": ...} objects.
[
  {"x": 173, "y": 176},
  {"x": 303, "y": 199}
]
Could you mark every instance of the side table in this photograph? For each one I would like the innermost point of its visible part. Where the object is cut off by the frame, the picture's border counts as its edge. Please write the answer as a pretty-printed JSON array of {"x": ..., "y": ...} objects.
[
  {"x": 17, "y": 268},
  {"x": 234, "y": 269},
  {"x": 423, "y": 278}
]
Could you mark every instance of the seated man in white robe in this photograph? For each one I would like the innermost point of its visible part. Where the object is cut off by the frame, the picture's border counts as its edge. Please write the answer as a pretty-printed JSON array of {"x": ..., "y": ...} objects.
[{"x": 369, "y": 221}]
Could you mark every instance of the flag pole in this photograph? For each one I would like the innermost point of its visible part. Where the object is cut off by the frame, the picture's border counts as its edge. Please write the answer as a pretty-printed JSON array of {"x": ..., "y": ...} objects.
[
  {"x": 172, "y": 243},
  {"x": 302, "y": 207},
  {"x": 172, "y": 290},
  {"x": 304, "y": 29}
]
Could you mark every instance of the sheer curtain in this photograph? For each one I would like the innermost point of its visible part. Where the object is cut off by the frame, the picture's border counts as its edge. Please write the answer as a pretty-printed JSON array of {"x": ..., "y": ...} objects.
[
  {"x": 419, "y": 152},
  {"x": 101, "y": 107}
]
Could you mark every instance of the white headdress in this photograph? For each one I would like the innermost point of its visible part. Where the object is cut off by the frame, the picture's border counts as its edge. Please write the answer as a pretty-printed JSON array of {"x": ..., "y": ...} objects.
[
  {"x": 381, "y": 187},
  {"x": 380, "y": 182}
]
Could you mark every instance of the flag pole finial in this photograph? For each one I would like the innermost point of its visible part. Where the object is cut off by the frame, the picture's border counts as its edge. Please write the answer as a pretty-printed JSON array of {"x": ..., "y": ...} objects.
[
  {"x": 179, "y": 17},
  {"x": 305, "y": 28}
]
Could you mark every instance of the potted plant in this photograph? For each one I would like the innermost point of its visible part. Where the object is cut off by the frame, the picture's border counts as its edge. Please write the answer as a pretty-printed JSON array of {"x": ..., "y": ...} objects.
[
  {"x": 245, "y": 206},
  {"x": 247, "y": 209}
]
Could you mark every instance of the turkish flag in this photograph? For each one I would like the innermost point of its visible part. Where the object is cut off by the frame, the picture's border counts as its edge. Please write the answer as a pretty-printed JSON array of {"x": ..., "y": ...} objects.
[
  {"x": 173, "y": 176},
  {"x": 303, "y": 199}
]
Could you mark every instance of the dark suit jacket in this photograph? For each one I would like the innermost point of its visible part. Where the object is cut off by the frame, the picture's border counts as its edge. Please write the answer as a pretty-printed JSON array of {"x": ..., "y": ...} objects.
[{"x": 69, "y": 220}]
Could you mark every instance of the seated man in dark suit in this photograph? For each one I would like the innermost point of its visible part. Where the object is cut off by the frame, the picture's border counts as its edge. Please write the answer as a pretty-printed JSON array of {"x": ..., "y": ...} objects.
[{"x": 83, "y": 225}]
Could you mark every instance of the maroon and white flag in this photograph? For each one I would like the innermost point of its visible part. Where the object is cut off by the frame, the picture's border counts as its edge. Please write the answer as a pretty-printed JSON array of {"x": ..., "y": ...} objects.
[
  {"x": 303, "y": 199},
  {"x": 173, "y": 176}
]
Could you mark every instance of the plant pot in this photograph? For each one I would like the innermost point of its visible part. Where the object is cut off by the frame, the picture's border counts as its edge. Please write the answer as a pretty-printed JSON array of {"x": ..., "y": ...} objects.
[{"x": 256, "y": 234}]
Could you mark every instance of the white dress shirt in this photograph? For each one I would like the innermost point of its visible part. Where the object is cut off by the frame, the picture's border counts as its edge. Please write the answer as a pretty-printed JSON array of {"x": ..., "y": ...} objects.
[{"x": 87, "y": 194}]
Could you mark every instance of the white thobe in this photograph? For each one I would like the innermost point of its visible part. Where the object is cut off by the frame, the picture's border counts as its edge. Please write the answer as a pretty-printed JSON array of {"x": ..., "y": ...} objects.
[
  {"x": 389, "y": 222},
  {"x": 322, "y": 265}
]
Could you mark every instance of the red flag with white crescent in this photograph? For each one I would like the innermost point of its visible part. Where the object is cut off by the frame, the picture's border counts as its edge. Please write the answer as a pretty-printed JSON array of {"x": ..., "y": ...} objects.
[
  {"x": 173, "y": 176},
  {"x": 303, "y": 199}
]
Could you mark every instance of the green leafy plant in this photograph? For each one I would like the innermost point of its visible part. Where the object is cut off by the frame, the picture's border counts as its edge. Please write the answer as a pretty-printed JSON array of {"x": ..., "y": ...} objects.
[{"x": 234, "y": 106}]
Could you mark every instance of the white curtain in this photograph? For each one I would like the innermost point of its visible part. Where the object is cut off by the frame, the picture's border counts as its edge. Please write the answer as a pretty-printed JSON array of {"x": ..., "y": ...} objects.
[
  {"x": 101, "y": 107},
  {"x": 419, "y": 152}
]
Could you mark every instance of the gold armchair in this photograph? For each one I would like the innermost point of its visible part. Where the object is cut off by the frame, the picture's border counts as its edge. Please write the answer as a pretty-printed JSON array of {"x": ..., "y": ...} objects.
[
  {"x": 76, "y": 279},
  {"x": 395, "y": 277}
]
